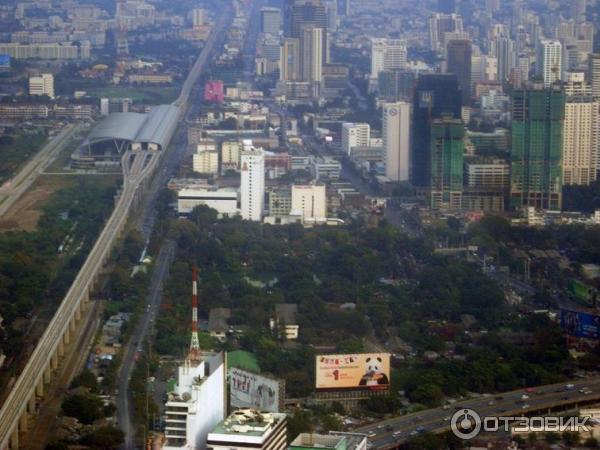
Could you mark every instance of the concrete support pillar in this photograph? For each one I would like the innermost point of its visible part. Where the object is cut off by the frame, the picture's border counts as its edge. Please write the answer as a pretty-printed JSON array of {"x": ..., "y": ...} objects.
[
  {"x": 39, "y": 388},
  {"x": 72, "y": 325},
  {"x": 23, "y": 421},
  {"x": 14, "y": 439},
  {"x": 31, "y": 409},
  {"x": 78, "y": 312},
  {"x": 61, "y": 349},
  {"x": 67, "y": 335},
  {"x": 54, "y": 360},
  {"x": 47, "y": 375}
]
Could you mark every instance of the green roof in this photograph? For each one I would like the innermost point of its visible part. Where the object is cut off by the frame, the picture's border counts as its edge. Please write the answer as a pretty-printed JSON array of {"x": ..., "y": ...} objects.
[{"x": 243, "y": 360}]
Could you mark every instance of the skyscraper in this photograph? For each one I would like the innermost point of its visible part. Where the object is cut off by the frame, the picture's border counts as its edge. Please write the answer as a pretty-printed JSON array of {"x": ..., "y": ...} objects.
[
  {"x": 548, "y": 61},
  {"x": 436, "y": 96},
  {"x": 580, "y": 141},
  {"x": 270, "y": 20},
  {"x": 439, "y": 25},
  {"x": 312, "y": 13},
  {"x": 459, "y": 63},
  {"x": 446, "y": 154},
  {"x": 311, "y": 46},
  {"x": 290, "y": 60},
  {"x": 578, "y": 10},
  {"x": 503, "y": 49},
  {"x": 538, "y": 115},
  {"x": 387, "y": 54},
  {"x": 252, "y": 182},
  {"x": 396, "y": 140},
  {"x": 594, "y": 74}
]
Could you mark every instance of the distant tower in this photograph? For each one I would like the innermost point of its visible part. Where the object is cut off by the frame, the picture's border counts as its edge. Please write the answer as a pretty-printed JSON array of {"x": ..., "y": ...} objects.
[
  {"x": 121, "y": 31},
  {"x": 194, "y": 354}
]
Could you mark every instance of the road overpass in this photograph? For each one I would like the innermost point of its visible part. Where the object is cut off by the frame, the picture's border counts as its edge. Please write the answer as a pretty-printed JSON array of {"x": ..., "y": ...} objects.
[
  {"x": 390, "y": 433},
  {"x": 21, "y": 403}
]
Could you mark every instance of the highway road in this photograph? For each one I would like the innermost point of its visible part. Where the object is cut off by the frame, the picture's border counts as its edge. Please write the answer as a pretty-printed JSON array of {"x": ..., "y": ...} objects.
[
  {"x": 391, "y": 432},
  {"x": 13, "y": 189}
]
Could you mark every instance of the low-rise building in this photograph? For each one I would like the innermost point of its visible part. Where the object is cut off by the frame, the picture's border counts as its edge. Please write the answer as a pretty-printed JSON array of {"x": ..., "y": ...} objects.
[
  {"x": 248, "y": 428},
  {"x": 224, "y": 201}
]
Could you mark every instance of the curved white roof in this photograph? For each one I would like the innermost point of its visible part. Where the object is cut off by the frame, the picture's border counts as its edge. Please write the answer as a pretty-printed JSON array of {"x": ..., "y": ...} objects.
[{"x": 155, "y": 127}]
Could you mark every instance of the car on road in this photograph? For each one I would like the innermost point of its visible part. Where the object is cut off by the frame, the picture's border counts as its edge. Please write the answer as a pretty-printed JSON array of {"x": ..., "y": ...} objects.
[
  {"x": 371, "y": 434},
  {"x": 569, "y": 387},
  {"x": 524, "y": 397},
  {"x": 585, "y": 391},
  {"x": 524, "y": 406}
]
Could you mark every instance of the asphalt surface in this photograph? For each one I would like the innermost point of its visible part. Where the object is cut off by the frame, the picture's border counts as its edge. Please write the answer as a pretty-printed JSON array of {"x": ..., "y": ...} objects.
[
  {"x": 391, "y": 432},
  {"x": 135, "y": 345}
]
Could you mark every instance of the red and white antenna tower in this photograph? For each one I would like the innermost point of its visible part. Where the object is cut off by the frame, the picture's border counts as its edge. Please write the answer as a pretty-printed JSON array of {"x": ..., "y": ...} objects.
[{"x": 194, "y": 354}]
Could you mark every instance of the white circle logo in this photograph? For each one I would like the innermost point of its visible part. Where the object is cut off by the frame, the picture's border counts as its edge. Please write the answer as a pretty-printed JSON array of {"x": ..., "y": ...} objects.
[
  {"x": 393, "y": 112},
  {"x": 465, "y": 424}
]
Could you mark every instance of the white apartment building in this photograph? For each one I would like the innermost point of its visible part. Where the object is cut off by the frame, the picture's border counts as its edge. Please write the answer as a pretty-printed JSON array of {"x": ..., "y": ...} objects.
[
  {"x": 396, "y": 140},
  {"x": 248, "y": 428},
  {"x": 355, "y": 135},
  {"x": 548, "y": 61},
  {"x": 309, "y": 202},
  {"x": 42, "y": 85},
  {"x": 253, "y": 182},
  {"x": 580, "y": 132},
  {"x": 197, "y": 404},
  {"x": 387, "y": 54}
]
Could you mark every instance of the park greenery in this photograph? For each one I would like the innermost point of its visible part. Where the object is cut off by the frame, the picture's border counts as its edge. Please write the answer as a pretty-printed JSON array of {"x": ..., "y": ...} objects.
[
  {"x": 355, "y": 285},
  {"x": 16, "y": 147},
  {"x": 34, "y": 273}
]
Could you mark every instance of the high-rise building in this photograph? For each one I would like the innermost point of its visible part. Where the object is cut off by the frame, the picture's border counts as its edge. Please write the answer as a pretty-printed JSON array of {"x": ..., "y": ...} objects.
[
  {"x": 42, "y": 85},
  {"x": 197, "y": 404},
  {"x": 594, "y": 74},
  {"x": 253, "y": 182},
  {"x": 436, "y": 96},
  {"x": 270, "y": 20},
  {"x": 538, "y": 115},
  {"x": 459, "y": 63},
  {"x": 288, "y": 6},
  {"x": 355, "y": 135},
  {"x": 580, "y": 141},
  {"x": 447, "y": 149},
  {"x": 290, "y": 60},
  {"x": 396, "y": 140},
  {"x": 311, "y": 46},
  {"x": 198, "y": 17},
  {"x": 309, "y": 202},
  {"x": 548, "y": 61},
  {"x": 439, "y": 25},
  {"x": 310, "y": 13},
  {"x": 387, "y": 54},
  {"x": 396, "y": 84},
  {"x": 504, "y": 50}
]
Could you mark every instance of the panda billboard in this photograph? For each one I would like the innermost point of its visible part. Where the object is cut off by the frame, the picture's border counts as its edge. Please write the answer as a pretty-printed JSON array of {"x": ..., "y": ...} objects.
[
  {"x": 369, "y": 371},
  {"x": 249, "y": 390}
]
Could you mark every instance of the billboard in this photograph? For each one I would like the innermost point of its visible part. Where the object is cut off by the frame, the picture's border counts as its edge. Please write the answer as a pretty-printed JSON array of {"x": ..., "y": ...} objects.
[
  {"x": 249, "y": 390},
  {"x": 580, "y": 324},
  {"x": 358, "y": 371},
  {"x": 582, "y": 292}
]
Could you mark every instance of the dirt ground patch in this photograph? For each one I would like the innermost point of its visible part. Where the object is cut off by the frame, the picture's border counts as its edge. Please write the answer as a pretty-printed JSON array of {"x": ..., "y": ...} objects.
[{"x": 26, "y": 211}]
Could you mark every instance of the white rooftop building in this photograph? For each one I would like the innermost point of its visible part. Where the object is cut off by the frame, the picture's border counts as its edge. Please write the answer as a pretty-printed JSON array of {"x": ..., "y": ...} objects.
[{"x": 197, "y": 404}]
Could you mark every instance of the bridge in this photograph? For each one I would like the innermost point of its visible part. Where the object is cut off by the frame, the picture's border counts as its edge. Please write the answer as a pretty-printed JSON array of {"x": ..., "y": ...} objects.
[
  {"x": 137, "y": 164},
  {"x": 542, "y": 400}
]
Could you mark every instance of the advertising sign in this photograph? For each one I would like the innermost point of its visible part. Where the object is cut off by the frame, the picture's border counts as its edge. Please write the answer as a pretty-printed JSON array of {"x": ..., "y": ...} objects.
[
  {"x": 358, "y": 371},
  {"x": 249, "y": 390},
  {"x": 580, "y": 324}
]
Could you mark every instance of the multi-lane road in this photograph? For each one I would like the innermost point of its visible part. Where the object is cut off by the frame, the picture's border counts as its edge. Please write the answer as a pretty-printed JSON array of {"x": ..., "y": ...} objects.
[
  {"x": 392, "y": 432},
  {"x": 13, "y": 189}
]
